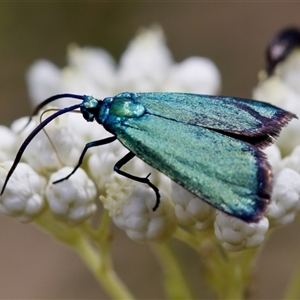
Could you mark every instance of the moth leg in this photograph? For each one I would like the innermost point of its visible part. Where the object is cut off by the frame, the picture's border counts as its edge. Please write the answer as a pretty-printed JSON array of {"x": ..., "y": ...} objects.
[
  {"x": 145, "y": 180},
  {"x": 86, "y": 147}
]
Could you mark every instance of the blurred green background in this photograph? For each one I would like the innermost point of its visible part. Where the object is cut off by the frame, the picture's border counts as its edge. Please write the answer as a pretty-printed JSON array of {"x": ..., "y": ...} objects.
[{"x": 233, "y": 34}]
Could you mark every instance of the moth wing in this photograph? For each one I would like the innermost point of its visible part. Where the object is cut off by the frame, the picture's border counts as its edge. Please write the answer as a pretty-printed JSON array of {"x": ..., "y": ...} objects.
[
  {"x": 227, "y": 173},
  {"x": 254, "y": 122}
]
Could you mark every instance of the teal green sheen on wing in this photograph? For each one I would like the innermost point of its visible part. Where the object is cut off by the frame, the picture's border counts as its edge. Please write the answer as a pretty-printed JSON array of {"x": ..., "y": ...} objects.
[
  {"x": 228, "y": 114},
  {"x": 217, "y": 168}
]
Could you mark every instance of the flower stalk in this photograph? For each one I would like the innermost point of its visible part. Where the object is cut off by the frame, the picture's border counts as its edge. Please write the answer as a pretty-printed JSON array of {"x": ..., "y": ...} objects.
[
  {"x": 93, "y": 246},
  {"x": 176, "y": 286}
]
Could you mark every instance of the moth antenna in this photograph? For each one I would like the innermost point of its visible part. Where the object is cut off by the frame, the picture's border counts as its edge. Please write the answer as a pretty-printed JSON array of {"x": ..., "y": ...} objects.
[
  {"x": 32, "y": 135},
  {"x": 49, "y": 100}
]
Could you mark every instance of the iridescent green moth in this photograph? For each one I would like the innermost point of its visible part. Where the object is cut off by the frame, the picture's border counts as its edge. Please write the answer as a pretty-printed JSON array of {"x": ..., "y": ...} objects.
[{"x": 210, "y": 145}]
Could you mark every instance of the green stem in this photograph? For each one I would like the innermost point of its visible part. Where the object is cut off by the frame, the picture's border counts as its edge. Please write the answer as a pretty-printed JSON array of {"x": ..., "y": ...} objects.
[
  {"x": 175, "y": 284},
  {"x": 102, "y": 269},
  {"x": 187, "y": 238},
  {"x": 229, "y": 273},
  {"x": 97, "y": 259}
]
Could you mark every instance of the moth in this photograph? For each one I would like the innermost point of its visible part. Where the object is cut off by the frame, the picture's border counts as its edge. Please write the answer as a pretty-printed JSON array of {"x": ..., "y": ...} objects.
[{"x": 210, "y": 145}]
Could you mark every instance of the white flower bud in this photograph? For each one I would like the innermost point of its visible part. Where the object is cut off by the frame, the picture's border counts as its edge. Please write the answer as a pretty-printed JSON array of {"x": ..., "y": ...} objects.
[
  {"x": 194, "y": 75},
  {"x": 91, "y": 70},
  {"x": 289, "y": 137},
  {"x": 190, "y": 210},
  {"x": 274, "y": 157},
  {"x": 145, "y": 63},
  {"x": 285, "y": 197},
  {"x": 84, "y": 131},
  {"x": 23, "y": 197},
  {"x": 43, "y": 156},
  {"x": 43, "y": 78},
  {"x": 236, "y": 235},
  {"x": 292, "y": 161},
  {"x": 289, "y": 70},
  {"x": 72, "y": 200},
  {"x": 130, "y": 205},
  {"x": 274, "y": 91}
]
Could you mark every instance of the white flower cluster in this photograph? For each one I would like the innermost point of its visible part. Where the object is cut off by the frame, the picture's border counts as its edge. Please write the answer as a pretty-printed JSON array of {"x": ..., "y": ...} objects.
[
  {"x": 146, "y": 65},
  {"x": 131, "y": 207},
  {"x": 282, "y": 89},
  {"x": 235, "y": 234}
]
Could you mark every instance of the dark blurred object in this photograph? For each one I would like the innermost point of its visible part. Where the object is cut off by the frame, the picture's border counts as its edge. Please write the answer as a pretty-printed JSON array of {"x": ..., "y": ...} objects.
[{"x": 281, "y": 46}]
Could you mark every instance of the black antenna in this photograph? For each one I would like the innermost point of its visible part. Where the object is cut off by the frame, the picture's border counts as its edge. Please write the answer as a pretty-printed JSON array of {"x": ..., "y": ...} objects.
[
  {"x": 49, "y": 100},
  {"x": 38, "y": 129}
]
